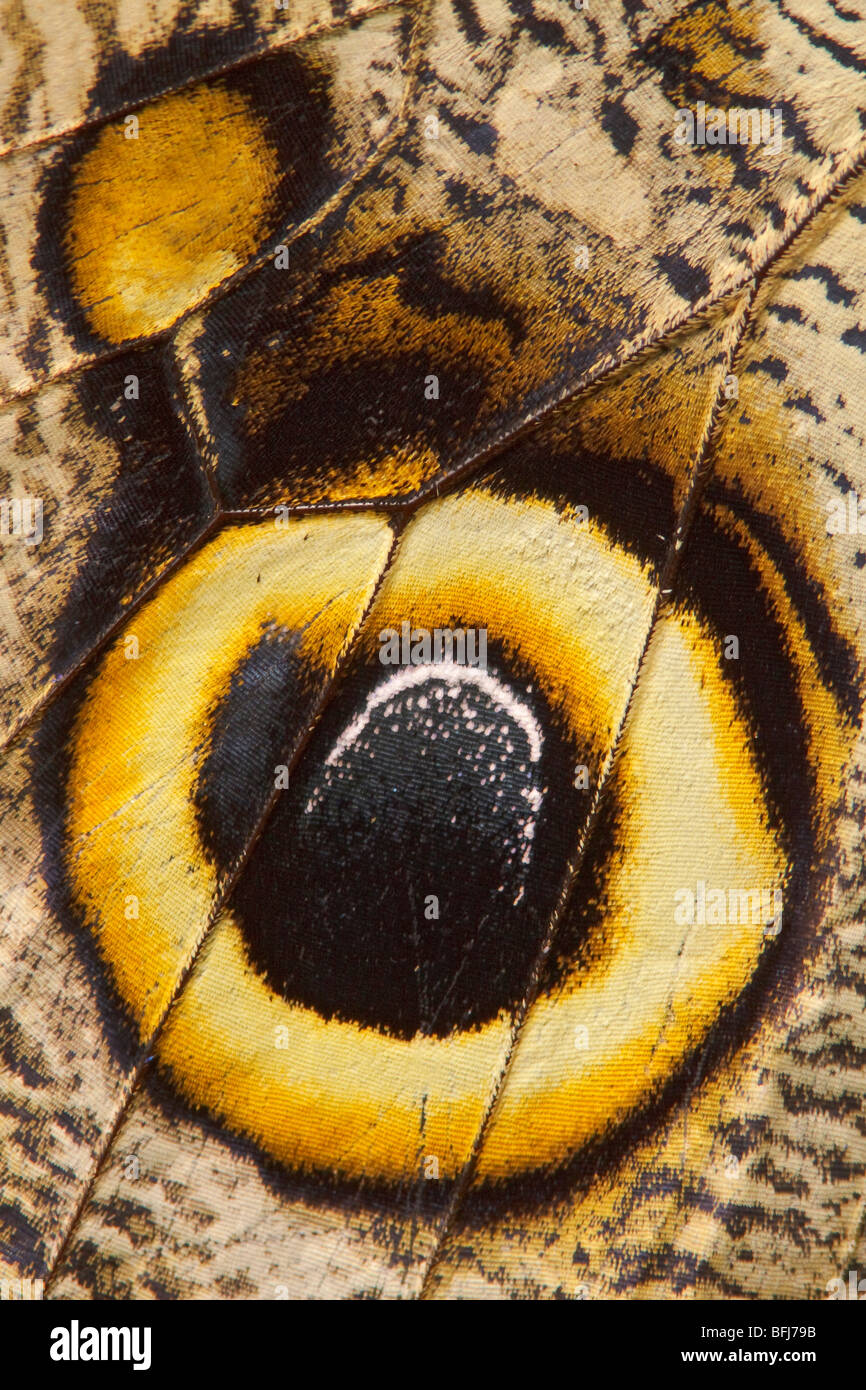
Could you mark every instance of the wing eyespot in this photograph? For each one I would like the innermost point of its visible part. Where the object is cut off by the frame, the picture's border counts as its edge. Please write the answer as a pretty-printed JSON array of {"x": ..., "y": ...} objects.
[{"x": 467, "y": 807}]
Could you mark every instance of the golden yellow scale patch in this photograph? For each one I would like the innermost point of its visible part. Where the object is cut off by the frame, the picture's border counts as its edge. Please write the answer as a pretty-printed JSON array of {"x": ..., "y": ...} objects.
[{"x": 158, "y": 221}]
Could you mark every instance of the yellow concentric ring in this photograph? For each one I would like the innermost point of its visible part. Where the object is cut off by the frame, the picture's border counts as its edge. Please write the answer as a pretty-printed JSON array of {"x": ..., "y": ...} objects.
[{"x": 338, "y": 1096}]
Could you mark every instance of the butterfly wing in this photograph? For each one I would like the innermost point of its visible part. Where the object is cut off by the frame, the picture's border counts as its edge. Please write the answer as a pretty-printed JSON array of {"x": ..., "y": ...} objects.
[{"x": 320, "y": 326}]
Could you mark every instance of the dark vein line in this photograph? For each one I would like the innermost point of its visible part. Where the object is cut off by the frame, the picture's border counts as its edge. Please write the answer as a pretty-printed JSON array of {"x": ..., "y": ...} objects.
[
  {"x": 606, "y": 367},
  {"x": 186, "y": 415},
  {"x": 293, "y": 756},
  {"x": 420, "y": 986},
  {"x": 292, "y": 752},
  {"x": 663, "y": 590},
  {"x": 187, "y": 418},
  {"x": 700, "y": 475}
]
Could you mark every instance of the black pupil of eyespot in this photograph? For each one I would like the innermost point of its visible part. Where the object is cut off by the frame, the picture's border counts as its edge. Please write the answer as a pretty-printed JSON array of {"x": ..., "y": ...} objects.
[{"x": 407, "y": 873}]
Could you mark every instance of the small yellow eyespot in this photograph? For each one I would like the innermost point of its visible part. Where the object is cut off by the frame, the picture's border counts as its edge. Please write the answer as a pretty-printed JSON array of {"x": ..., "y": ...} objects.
[{"x": 158, "y": 221}]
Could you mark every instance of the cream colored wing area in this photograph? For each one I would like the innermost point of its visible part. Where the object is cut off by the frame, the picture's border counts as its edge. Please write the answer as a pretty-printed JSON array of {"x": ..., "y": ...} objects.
[
  {"x": 60, "y": 1077},
  {"x": 183, "y": 1211},
  {"x": 262, "y": 271},
  {"x": 796, "y": 448}
]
